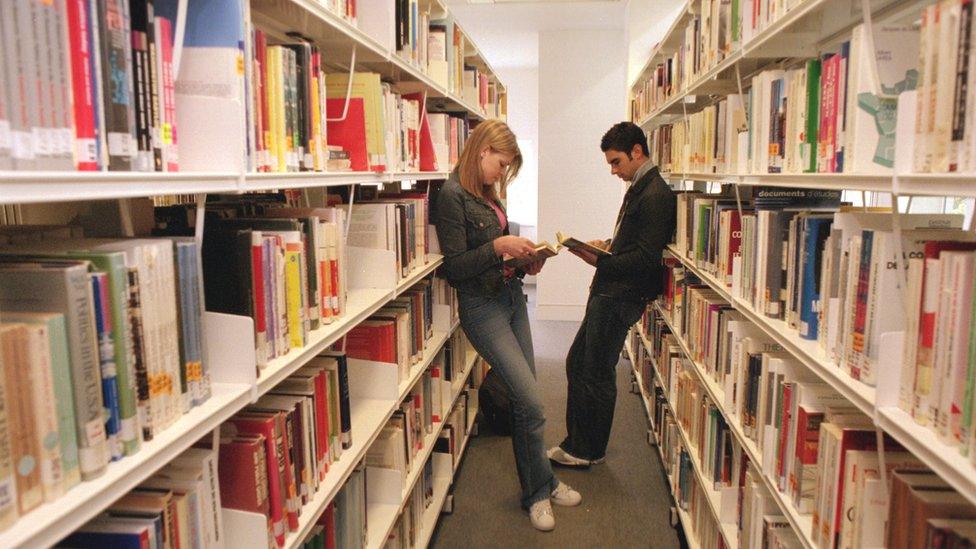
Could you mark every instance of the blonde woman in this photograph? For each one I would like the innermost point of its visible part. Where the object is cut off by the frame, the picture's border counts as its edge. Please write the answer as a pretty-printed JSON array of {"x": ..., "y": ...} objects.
[{"x": 472, "y": 229}]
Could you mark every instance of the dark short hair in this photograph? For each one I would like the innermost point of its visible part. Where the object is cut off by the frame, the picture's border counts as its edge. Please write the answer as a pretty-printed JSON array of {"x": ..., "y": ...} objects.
[{"x": 622, "y": 137}]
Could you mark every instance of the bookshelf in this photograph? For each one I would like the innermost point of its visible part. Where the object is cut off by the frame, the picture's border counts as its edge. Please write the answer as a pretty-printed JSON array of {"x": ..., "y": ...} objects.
[
  {"x": 802, "y": 524},
  {"x": 683, "y": 518},
  {"x": 236, "y": 381},
  {"x": 801, "y": 30}
]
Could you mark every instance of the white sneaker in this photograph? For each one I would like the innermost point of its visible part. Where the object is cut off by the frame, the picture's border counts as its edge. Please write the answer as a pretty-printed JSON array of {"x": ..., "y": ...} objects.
[
  {"x": 566, "y": 496},
  {"x": 541, "y": 515},
  {"x": 562, "y": 457}
]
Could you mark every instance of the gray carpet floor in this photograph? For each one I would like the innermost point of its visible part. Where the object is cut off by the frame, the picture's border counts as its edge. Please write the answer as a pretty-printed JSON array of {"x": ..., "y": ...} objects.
[{"x": 626, "y": 502}]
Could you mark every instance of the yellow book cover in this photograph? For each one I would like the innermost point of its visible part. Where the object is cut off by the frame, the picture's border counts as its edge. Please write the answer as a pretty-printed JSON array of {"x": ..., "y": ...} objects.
[
  {"x": 315, "y": 144},
  {"x": 293, "y": 289}
]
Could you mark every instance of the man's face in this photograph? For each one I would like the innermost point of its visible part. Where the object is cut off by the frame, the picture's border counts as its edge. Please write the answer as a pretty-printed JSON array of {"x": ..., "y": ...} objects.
[{"x": 623, "y": 165}]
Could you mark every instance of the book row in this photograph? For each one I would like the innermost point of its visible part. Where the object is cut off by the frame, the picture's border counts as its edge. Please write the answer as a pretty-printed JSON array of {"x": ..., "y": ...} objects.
[
  {"x": 289, "y": 265},
  {"x": 102, "y": 349},
  {"x": 101, "y": 85},
  {"x": 713, "y": 30},
  {"x": 839, "y": 277},
  {"x": 438, "y": 47},
  {"x": 829, "y": 115},
  {"x": 273, "y": 456},
  {"x": 818, "y": 452}
]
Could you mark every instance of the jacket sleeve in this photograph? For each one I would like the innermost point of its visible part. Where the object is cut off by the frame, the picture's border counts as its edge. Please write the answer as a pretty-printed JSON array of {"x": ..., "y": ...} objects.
[
  {"x": 460, "y": 263},
  {"x": 657, "y": 214}
]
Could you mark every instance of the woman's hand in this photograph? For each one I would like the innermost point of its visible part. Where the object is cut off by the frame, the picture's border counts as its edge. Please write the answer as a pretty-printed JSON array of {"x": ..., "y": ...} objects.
[
  {"x": 513, "y": 246},
  {"x": 534, "y": 268}
]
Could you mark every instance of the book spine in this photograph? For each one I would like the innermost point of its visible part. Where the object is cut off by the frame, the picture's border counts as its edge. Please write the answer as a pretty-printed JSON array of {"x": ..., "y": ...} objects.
[
  {"x": 79, "y": 41},
  {"x": 115, "y": 79},
  {"x": 61, "y": 71},
  {"x": 45, "y": 412},
  {"x": 25, "y": 449},
  {"x": 8, "y": 474},
  {"x": 106, "y": 360},
  {"x": 141, "y": 369},
  {"x": 957, "y": 146},
  {"x": 169, "y": 142}
]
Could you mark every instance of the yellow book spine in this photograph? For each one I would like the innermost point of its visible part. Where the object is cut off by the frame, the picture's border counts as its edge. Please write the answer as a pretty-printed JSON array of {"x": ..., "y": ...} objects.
[
  {"x": 315, "y": 144},
  {"x": 293, "y": 289}
]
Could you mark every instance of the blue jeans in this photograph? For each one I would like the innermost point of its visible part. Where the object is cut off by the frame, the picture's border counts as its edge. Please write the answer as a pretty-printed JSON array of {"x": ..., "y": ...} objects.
[{"x": 498, "y": 328}]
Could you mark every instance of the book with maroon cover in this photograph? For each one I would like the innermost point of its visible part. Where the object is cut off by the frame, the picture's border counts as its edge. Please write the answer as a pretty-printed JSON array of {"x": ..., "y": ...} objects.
[
  {"x": 735, "y": 242},
  {"x": 327, "y": 521},
  {"x": 350, "y": 132},
  {"x": 290, "y": 407},
  {"x": 803, "y": 476},
  {"x": 260, "y": 81},
  {"x": 243, "y": 472},
  {"x": 373, "y": 340},
  {"x": 924, "y": 505},
  {"x": 149, "y": 502},
  {"x": 312, "y": 385},
  {"x": 267, "y": 425},
  {"x": 784, "y": 434}
]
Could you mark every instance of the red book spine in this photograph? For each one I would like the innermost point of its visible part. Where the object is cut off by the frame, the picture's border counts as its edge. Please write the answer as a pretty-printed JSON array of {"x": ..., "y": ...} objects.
[
  {"x": 275, "y": 462},
  {"x": 328, "y": 522},
  {"x": 322, "y": 422},
  {"x": 784, "y": 431},
  {"x": 735, "y": 241},
  {"x": 257, "y": 286},
  {"x": 291, "y": 488},
  {"x": 334, "y": 272},
  {"x": 85, "y": 150}
]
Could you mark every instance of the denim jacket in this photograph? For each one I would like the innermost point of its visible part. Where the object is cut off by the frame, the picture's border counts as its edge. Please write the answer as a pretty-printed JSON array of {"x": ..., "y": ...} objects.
[{"x": 466, "y": 229}]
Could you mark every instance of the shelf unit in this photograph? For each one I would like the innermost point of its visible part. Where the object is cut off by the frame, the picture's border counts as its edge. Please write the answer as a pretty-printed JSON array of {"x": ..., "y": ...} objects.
[
  {"x": 713, "y": 496},
  {"x": 802, "y": 524},
  {"x": 799, "y": 32},
  {"x": 945, "y": 460},
  {"x": 382, "y": 517},
  {"x": 683, "y": 517},
  {"x": 369, "y": 416},
  {"x": 917, "y": 184}
]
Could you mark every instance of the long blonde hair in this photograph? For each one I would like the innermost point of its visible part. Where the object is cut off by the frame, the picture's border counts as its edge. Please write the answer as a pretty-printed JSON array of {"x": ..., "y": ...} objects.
[{"x": 497, "y": 136}]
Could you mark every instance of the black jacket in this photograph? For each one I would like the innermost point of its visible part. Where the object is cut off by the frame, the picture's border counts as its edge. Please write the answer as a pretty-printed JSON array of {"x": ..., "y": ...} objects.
[
  {"x": 634, "y": 270},
  {"x": 466, "y": 227}
]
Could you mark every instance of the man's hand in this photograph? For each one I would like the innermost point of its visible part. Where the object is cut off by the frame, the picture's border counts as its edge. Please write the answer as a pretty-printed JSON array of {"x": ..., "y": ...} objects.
[
  {"x": 602, "y": 244},
  {"x": 535, "y": 267},
  {"x": 585, "y": 256}
]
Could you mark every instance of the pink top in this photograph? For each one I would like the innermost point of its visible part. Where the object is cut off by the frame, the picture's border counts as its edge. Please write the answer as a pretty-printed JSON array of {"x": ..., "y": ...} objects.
[{"x": 502, "y": 218}]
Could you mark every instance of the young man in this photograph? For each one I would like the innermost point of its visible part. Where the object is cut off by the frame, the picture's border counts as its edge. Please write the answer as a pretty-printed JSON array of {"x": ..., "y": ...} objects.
[{"x": 623, "y": 284}]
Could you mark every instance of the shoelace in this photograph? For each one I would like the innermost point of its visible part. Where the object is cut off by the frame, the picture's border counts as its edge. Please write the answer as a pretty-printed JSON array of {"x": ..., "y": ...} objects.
[{"x": 542, "y": 510}]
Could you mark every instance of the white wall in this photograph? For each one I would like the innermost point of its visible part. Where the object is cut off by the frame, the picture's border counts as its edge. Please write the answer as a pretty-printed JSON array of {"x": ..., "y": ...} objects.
[
  {"x": 523, "y": 118},
  {"x": 646, "y": 23},
  {"x": 581, "y": 94}
]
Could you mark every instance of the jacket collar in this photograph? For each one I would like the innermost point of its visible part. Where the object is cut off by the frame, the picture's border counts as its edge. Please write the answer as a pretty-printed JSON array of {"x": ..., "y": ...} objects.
[{"x": 645, "y": 179}]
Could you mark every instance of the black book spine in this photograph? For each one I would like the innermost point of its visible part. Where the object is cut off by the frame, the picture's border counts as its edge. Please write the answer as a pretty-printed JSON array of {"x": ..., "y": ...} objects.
[{"x": 345, "y": 419}]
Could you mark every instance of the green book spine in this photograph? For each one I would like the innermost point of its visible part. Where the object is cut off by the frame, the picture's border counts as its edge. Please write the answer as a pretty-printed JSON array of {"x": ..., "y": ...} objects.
[
  {"x": 113, "y": 265},
  {"x": 736, "y": 24},
  {"x": 813, "y": 114},
  {"x": 968, "y": 404}
]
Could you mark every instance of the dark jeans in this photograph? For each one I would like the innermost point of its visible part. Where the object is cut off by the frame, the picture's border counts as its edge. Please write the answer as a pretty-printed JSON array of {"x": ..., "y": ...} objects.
[
  {"x": 498, "y": 328},
  {"x": 591, "y": 373}
]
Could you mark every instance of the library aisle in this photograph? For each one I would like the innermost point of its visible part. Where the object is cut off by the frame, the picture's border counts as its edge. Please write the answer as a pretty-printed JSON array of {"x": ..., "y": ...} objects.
[{"x": 626, "y": 502}]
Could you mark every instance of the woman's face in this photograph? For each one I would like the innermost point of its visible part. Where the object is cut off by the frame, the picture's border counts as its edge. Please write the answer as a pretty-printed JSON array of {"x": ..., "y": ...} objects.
[{"x": 493, "y": 165}]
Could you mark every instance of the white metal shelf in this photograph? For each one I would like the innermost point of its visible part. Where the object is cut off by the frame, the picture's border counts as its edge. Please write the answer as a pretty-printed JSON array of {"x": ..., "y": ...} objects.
[
  {"x": 945, "y": 460},
  {"x": 52, "y": 521},
  {"x": 802, "y": 524},
  {"x": 917, "y": 184},
  {"x": 433, "y": 262},
  {"x": 35, "y": 187}
]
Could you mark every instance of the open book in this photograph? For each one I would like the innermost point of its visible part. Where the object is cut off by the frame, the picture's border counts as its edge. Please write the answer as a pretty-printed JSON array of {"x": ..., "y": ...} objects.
[
  {"x": 543, "y": 250},
  {"x": 579, "y": 245}
]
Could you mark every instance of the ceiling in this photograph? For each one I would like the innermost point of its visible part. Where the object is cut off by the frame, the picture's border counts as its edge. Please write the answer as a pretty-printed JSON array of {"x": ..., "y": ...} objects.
[{"x": 507, "y": 31}]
